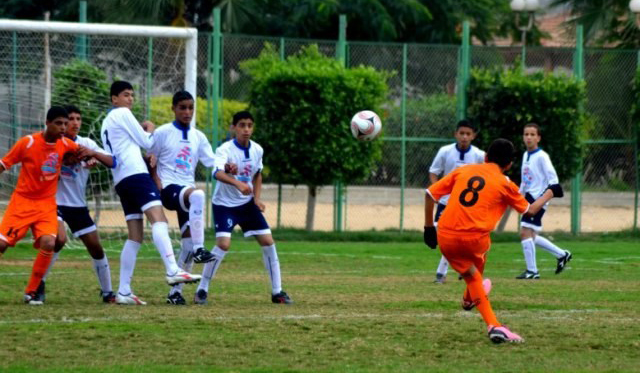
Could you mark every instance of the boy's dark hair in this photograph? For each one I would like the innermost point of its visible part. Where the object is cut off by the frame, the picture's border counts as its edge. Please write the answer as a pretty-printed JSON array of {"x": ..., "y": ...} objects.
[
  {"x": 72, "y": 109},
  {"x": 181, "y": 96},
  {"x": 56, "y": 112},
  {"x": 466, "y": 123},
  {"x": 501, "y": 152},
  {"x": 240, "y": 116},
  {"x": 118, "y": 86},
  {"x": 534, "y": 125}
]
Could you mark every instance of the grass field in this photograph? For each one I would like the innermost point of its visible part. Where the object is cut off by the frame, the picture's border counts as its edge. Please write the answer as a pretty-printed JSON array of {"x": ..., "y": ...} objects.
[{"x": 359, "y": 307}]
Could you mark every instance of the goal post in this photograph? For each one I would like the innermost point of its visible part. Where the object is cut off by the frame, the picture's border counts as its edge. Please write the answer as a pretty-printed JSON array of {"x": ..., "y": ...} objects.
[{"x": 158, "y": 61}]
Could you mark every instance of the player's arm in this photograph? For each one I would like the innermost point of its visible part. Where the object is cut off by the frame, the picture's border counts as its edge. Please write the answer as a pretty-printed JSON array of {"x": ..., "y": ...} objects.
[
  {"x": 220, "y": 175},
  {"x": 540, "y": 202},
  {"x": 104, "y": 158},
  {"x": 429, "y": 236},
  {"x": 136, "y": 130},
  {"x": 433, "y": 178},
  {"x": 257, "y": 190},
  {"x": 15, "y": 154}
]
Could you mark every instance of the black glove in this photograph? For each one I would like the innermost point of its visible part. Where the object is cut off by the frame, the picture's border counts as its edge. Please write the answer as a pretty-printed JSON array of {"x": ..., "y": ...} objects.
[
  {"x": 557, "y": 190},
  {"x": 430, "y": 237}
]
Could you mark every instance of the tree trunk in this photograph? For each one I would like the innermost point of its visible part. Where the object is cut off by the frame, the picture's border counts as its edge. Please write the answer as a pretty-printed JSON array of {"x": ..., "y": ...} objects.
[{"x": 311, "y": 207}]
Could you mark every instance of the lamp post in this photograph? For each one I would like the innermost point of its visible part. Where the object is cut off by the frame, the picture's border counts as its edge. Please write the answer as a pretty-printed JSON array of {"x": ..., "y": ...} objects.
[{"x": 522, "y": 7}]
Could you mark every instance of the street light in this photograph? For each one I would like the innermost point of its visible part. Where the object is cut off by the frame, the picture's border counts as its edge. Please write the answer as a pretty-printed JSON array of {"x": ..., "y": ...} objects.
[{"x": 530, "y": 7}]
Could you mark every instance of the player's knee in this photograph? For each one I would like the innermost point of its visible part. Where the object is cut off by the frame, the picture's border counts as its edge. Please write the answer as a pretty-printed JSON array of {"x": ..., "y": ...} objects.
[
  {"x": 47, "y": 243},
  {"x": 525, "y": 233},
  {"x": 197, "y": 197}
]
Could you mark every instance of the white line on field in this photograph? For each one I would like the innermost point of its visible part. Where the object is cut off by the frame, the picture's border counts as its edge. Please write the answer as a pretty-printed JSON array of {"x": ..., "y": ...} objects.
[{"x": 539, "y": 314}]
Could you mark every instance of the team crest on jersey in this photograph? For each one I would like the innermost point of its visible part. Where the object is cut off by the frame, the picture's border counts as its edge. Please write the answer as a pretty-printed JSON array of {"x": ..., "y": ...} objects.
[
  {"x": 50, "y": 167},
  {"x": 184, "y": 159},
  {"x": 244, "y": 174},
  {"x": 67, "y": 172},
  {"x": 527, "y": 176}
]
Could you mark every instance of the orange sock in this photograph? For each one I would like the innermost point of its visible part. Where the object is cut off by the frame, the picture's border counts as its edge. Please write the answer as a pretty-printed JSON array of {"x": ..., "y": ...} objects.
[
  {"x": 474, "y": 286},
  {"x": 40, "y": 265}
]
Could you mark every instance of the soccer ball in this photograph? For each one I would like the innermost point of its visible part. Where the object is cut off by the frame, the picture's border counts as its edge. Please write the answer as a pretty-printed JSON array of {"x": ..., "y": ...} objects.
[{"x": 365, "y": 125}]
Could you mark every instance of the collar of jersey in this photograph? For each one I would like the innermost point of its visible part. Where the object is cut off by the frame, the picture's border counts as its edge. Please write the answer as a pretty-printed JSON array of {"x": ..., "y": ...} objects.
[
  {"x": 185, "y": 130},
  {"x": 532, "y": 152},
  {"x": 236, "y": 143},
  {"x": 463, "y": 152}
]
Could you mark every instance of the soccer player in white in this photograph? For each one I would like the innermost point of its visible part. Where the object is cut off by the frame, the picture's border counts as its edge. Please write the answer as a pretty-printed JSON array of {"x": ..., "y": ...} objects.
[
  {"x": 178, "y": 147},
  {"x": 448, "y": 158},
  {"x": 123, "y": 137},
  {"x": 538, "y": 174},
  {"x": 72, "y": 205},
  {"x": 236, "y": 200}
]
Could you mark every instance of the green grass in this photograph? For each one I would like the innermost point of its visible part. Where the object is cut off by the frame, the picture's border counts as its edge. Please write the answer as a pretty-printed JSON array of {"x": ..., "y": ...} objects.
[{"x": 360, "y": 306}]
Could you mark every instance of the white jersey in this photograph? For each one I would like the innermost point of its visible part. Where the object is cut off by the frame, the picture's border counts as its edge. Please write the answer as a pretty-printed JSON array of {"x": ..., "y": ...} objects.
[
  {"x": 72, "y": 184},
  {"x": 449, "y": 158},
  {"x": 178, "y": 151},
  {"x": 123, "y": 137},
  {"x": 249, "y": 161},
  {"x": 537, "y": 173}
]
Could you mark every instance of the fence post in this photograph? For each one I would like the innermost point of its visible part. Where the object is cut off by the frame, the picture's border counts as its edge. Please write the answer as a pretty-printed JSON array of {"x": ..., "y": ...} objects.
[
  {"x": 578, "y": 70},
  {"x": 637, "y": 169},
  {"x": 463, "y": 72},
  {"x": 403, "y": 149},
  {"x": 81, "y": 40},
  {"x": 279, "y": 216},
  {"x": 341, "y": 53},
  {"x": 214, "y": 86}
]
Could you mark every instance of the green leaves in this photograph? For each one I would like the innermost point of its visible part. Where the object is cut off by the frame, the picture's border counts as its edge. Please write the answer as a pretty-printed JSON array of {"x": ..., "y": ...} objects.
[
  {"x": 303, "y": 107},
  {"x": 501, "y": 102}
]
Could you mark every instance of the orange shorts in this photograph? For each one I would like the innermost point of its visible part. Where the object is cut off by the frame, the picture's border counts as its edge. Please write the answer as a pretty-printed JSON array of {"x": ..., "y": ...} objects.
[
  {"x": 24, "y": 213},
  {"x": 463, "y": 251}
]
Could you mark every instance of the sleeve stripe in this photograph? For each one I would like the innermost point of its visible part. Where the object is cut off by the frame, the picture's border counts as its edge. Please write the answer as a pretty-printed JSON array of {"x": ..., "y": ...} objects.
[{"x": 430, "y": 195}]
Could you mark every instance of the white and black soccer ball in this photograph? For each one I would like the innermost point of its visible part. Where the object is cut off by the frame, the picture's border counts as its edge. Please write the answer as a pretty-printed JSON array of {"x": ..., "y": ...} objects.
[{"x": 365, "y": 125}]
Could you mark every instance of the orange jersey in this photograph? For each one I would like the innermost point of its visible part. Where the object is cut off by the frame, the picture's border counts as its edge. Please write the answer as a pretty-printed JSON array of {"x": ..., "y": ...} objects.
[
  {"x": 480, "y": 194},
  {"x": 41, "y": 162}
]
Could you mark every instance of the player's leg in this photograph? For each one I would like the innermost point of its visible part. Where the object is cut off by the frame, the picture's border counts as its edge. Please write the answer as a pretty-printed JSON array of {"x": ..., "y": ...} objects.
[
  {"x": 91, "y": 241},
  {"x": 44, "y": 228},
  {"x": 443, "y": 265},
  {"x": 562, "y": 256},
  {"x": 128, "y": 257},
  {"x": 61, "y": 240},
  {"x": 194, "y": 199},
  {"x": 253, "y": 223},
  {"x": 185, "y": 261},
  {"x": 529, "y": 250}
]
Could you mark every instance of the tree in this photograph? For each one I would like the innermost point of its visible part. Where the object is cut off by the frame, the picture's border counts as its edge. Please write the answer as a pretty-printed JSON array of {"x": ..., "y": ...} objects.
[
  {"x": 302, "y": 107},
  {"x": 605, "y": 22}
]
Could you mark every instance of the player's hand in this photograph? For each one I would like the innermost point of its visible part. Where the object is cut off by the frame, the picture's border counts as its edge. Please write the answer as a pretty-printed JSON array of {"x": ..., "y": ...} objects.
[
  {"x": 245, "y": 189},
  {"x": 70, "y": 158},
  {"x": 231, "y": 168},
  {"x": 430, "y": 237},
  {"x": 153, "y": 160},
  {"x": 260, "y": 205},
  {"x": 557, "y": 190},
  {"x": 148, "y": 126},
  {"x": 84, "y": 152},
  {"x": 90, "y": 163}
]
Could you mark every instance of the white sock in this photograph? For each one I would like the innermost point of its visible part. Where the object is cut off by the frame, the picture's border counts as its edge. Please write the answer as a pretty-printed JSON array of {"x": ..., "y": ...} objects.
[
  {"x": 196, "y": 222},
  {"x": 127, "y": 265},
  {"x": 185, "y": 261},
  {"x": 103, "y": 272},
  {"x": 210, "y": 268},
  {"x": 162, "y": 241},
  {"x": 443, "y": 267},
  {"x": 529, "y": 249},
  {"x": 272, "y": 265},
  {"x": 53, "y": 260},
  {"x": 549, "y": 246}
]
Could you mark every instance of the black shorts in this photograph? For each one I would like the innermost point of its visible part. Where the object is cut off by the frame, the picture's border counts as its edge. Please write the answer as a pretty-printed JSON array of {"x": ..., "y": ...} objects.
[
  {"x": 533, "y": 222},
  {"x": 173, "y": 199},
  {"x": 248, "y": 216},
  {"x": 439, "y": 211},
  {"x": 137, "y": 194},
  {"x": 78, "y": 219}
]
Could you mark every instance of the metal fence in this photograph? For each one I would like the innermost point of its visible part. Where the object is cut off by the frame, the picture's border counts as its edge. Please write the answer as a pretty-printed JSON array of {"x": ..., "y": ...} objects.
[{"x": 426, "y": 98}]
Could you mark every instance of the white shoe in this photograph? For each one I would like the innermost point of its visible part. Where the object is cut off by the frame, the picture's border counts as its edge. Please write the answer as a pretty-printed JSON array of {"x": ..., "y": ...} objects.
[
  {"x": 182, "y": 277},
  {"x": 129, "y": 299}
]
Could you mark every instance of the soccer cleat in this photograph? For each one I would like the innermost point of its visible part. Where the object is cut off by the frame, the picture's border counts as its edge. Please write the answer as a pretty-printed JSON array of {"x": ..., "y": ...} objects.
[
  {"x": 33, "y": 299},
  {"x": 202, "y": 256},
  {"x": 108, "y": 297},
  {"x": 468, "y": 305},
  {"x": 562, "y": 262},
  {"x": 440, "y": 278},
  {"x": 500, "y": 334},
  {"x": 182, "y": 277},
  {"x": 176, "y": 298},
  {"x": 528, "y": 275},
  {"x": 200, "y": 297},
  {"x": 281, "y": 297},
  {"x": 129, "y": 299}
]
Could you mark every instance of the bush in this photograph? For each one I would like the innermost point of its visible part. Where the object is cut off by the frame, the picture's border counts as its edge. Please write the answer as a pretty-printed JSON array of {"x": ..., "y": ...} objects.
[{"x": 501, "y": 102}]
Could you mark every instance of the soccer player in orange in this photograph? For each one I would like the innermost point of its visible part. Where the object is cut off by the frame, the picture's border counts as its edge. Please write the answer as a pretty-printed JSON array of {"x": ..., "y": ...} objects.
[
  {"x": 33, "y": 202},
  {"x": 480, "y": 194}
]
